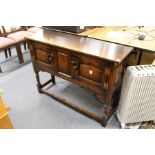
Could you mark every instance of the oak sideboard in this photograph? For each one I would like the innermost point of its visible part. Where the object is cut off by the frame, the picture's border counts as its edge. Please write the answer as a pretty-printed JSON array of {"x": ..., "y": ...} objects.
[{"x": 93, "y": 64}]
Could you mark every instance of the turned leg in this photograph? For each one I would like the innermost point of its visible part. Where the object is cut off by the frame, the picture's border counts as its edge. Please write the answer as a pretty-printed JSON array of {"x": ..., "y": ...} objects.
[
  {"x": 107, "y": 108},
  {"x": 6, "y": 54},
  {"x": 53, "y": 78},
  {"x": 107, "y": 115},
  {"x": 103, "y": 121},
  {"x": 19, "y": 53},
  {"x": 38, "y": 81},
  {"x": 39, "y": 85}
]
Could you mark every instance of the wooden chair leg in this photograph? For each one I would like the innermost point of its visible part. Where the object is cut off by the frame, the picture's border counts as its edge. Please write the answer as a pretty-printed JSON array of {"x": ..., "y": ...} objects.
[
  {"x": 6, "y": 54},
  {"x": 0, "y": 69},
  {"x": 24, "y": 46},
  {"x": 19, "y": 53},
  {"x": 9, "y": 52}
]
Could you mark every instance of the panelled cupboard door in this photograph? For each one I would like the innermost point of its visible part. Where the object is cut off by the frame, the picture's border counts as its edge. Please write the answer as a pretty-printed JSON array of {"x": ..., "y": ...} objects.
[
  {"x": 45, "y": 54},
  {"x": 90, "y": 72},
  {"x": 42, "y": 56},
  {"x": 63, "y": 62},
  {"x": 90, "y": 69}
]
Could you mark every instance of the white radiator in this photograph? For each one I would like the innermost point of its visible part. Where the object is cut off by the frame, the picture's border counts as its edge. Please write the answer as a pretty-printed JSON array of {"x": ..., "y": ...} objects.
[{"x": 137, "y": 101}]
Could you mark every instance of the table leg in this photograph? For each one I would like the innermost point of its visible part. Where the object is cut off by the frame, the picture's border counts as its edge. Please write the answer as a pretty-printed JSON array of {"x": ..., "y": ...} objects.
[
  {"x": 139, "y": 52},
  {"x": 107, "y": 114},
  {"x": 139, "y": 58}
]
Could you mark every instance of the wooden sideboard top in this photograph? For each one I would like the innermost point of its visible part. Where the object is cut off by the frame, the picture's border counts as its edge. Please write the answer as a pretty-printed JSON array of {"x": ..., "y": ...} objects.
[{"x": 98, "y": 48}]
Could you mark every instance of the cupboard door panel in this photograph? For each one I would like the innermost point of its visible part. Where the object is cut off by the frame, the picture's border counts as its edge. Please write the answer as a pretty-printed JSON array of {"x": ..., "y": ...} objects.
[
  {"x": 64, "y": 63},
  {"x": 42, "y": 56}
]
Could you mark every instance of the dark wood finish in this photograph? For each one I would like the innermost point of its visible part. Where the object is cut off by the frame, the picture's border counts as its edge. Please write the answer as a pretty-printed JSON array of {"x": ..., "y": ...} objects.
[
  {"x": 90, "y": 72},
  {"x": 63, "y": 62},
  {"x": 42, "y": 56},
  {"x": 90, "y": 63},
  {"x": 96, "y": 48}
]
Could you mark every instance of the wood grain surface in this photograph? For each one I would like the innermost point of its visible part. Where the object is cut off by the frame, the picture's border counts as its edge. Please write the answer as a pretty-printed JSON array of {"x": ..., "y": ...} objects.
[{"x": 98, "y": 48}]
